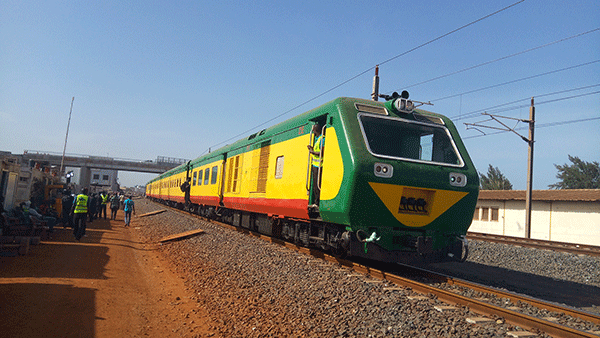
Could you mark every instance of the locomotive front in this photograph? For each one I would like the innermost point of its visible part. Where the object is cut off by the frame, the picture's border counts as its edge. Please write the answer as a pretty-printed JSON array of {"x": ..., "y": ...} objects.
[{"x": 411, "y": 186}]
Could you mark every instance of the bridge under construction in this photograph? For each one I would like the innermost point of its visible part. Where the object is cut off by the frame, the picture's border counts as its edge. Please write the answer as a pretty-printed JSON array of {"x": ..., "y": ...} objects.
[
  {"x": 18, "y": 171},
  {"x": 87, "y": 163}
]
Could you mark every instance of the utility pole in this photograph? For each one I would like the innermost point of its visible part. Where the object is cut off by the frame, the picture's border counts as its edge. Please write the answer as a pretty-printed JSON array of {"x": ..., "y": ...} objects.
[
  {"x": 62, "y": 161},
  {"x": 530, "y": 142},
  {"x": 529, "y": 171}
]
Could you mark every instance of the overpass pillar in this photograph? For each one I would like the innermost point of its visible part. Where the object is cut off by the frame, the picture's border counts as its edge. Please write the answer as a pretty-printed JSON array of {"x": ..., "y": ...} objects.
[
  {"x": 114, "y": 186},
  {"x": 85, "y": 177}
]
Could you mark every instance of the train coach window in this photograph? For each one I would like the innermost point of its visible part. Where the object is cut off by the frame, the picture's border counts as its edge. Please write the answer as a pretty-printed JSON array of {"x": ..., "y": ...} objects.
[
  {"x": 206, "y": 175},
  {"x": 391, "y": 137},
  {"x": 200, "y": 177},
  {"x": 279, "y": 167},
  {"x": 215, "y": 171},
  {"x": 194, "y": 178}
]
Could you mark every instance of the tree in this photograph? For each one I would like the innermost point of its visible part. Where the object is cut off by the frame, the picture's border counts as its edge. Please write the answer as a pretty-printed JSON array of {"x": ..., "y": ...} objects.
[
  {"x": 579, "y": 175},
  {"x": 494, "y": 180}
]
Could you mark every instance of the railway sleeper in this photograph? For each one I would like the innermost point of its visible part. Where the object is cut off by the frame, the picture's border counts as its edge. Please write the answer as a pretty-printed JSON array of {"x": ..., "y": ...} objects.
[{"x": 328, "y": 237}]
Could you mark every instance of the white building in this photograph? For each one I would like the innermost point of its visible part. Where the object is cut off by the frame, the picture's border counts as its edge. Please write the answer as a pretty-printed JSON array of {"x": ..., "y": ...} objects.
[
  {"x": 103, "y": 180},
  {"x": 570, "y": 215}
]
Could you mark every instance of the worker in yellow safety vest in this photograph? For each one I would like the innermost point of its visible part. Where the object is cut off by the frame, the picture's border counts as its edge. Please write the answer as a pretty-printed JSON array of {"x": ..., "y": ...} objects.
[
  {"x": 104, "y": 198},
  {"x": 79, "y": 211},
  {"x": 316, "y": 159}
]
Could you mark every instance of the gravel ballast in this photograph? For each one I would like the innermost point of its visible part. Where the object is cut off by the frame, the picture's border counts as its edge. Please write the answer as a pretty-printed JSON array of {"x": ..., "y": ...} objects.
[{"x": 253, "y": 288}]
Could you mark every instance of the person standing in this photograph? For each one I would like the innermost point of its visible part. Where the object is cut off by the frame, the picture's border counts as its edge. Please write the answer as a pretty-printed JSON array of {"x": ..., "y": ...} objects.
[
  {"x": 316, "y": 159},
  {"x": 80, "y": 212},
  {"x": 103, "y": 202},
  {"x": 115, "y": 203},
  {"x": 67, "y": 202},
  {"x": 128, "y": 207},
  {"x": 185, "y": 188},
  {"x": 92, "y": 207}
]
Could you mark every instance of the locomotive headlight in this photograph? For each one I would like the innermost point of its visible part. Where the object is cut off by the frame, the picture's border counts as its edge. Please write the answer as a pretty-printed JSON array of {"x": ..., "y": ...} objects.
[
  {"x": 404, "y": 105},
  {"x": 458, "y": 180},
  {"x": 383, "y": 170}
]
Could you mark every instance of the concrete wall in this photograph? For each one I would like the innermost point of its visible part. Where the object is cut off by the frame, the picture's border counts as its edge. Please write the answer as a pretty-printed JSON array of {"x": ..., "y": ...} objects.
[
  {"x": 561, "y": 221},
  {"x": 580, "y": 225}
]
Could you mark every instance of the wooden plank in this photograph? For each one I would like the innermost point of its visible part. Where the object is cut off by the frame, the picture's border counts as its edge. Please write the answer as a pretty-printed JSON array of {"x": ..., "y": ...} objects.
[
  {"x": 180, "y": 236},
  {"x": 153, "y": 213}
]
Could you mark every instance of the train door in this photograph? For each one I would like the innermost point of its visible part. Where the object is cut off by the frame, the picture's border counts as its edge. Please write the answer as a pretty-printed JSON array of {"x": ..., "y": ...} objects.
[
  {"x": 159, "y": 190},
  {"x": 316, "y": 150},
  {"x": 221, "y": 187},
  {"x": 186, "y": 186}
]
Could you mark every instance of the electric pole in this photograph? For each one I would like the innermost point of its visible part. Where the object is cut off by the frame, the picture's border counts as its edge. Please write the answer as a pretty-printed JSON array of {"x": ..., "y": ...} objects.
[
  {"x": 529, "y": 171},
  {"x": 530, "y": 142},
  {"x": 62, "y": 161}
]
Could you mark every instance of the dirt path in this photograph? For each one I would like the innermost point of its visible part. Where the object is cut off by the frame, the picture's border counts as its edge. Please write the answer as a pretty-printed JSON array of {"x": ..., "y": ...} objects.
[{"x": 109, "y": 284}]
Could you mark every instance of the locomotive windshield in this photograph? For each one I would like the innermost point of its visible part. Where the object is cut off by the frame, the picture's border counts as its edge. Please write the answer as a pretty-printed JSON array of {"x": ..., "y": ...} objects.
[{"x": 397, "y": 138}]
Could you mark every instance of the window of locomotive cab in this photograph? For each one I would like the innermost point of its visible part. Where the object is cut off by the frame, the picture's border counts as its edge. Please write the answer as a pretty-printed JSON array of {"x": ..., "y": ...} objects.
[
  {"x": 206, "y": 175},
  {"x": 398, "y": 138}
]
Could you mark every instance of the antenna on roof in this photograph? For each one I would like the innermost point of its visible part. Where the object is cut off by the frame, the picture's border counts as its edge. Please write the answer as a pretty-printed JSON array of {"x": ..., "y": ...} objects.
[{"x": 375, "y": 94}]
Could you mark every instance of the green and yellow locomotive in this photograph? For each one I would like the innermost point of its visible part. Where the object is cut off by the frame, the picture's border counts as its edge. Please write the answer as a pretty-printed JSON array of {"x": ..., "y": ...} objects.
[{"x": 379, "y": 180}]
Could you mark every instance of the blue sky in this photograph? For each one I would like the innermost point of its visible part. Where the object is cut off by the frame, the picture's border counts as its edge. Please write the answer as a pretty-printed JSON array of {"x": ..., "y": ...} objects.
[{"x": 158, "y": 78}]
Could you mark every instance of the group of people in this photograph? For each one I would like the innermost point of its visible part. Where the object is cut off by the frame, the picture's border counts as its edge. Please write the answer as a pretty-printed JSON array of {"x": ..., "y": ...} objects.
[
  {"x": 78, "y": 209},
  {"x": 28, "y": 213}
]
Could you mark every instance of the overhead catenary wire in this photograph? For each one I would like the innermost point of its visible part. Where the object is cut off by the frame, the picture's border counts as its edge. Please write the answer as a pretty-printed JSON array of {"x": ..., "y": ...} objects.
[
  {"x": 495, "y": 109},
  {"x": 542, "y": 125},
  {"x": 549, "y": 124},
  {"x": 501, "y": 58},
  {"x": 517, "y": 80},
  {"x": 366, "y": 71},
  {"x": 546, "y": 102}
]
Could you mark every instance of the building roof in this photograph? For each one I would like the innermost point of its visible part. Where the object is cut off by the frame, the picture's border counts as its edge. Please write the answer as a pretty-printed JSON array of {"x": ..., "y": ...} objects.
[{"x": 588, "y": 195}]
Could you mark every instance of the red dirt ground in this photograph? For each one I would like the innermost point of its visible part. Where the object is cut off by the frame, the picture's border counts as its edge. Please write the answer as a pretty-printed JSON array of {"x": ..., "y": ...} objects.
[{"x": 109, "y": 284}]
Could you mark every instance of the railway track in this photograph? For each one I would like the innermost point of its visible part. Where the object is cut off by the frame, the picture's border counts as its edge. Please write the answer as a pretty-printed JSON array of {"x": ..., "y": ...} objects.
[
  {"x": 512, "y": 314},
  {"x": 451, "y": 290},
  {"x": 580, "y": 249}
]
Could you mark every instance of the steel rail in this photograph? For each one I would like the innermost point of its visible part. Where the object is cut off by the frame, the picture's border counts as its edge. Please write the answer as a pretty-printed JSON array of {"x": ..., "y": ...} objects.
[
  {"x": 514, "y": 297},
  {"x": 584, "y": 249}
]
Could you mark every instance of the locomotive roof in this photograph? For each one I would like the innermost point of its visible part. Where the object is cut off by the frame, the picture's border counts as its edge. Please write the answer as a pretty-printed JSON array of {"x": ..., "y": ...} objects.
[{"x": 269, "y": 132}]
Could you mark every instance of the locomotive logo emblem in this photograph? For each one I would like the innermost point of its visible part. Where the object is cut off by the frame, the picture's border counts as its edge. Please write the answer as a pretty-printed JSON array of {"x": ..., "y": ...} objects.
[
  {"x": 416, "y": 201},
  {"x": 416, "y": 207},
  {"x": 411, "y": 204}
]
